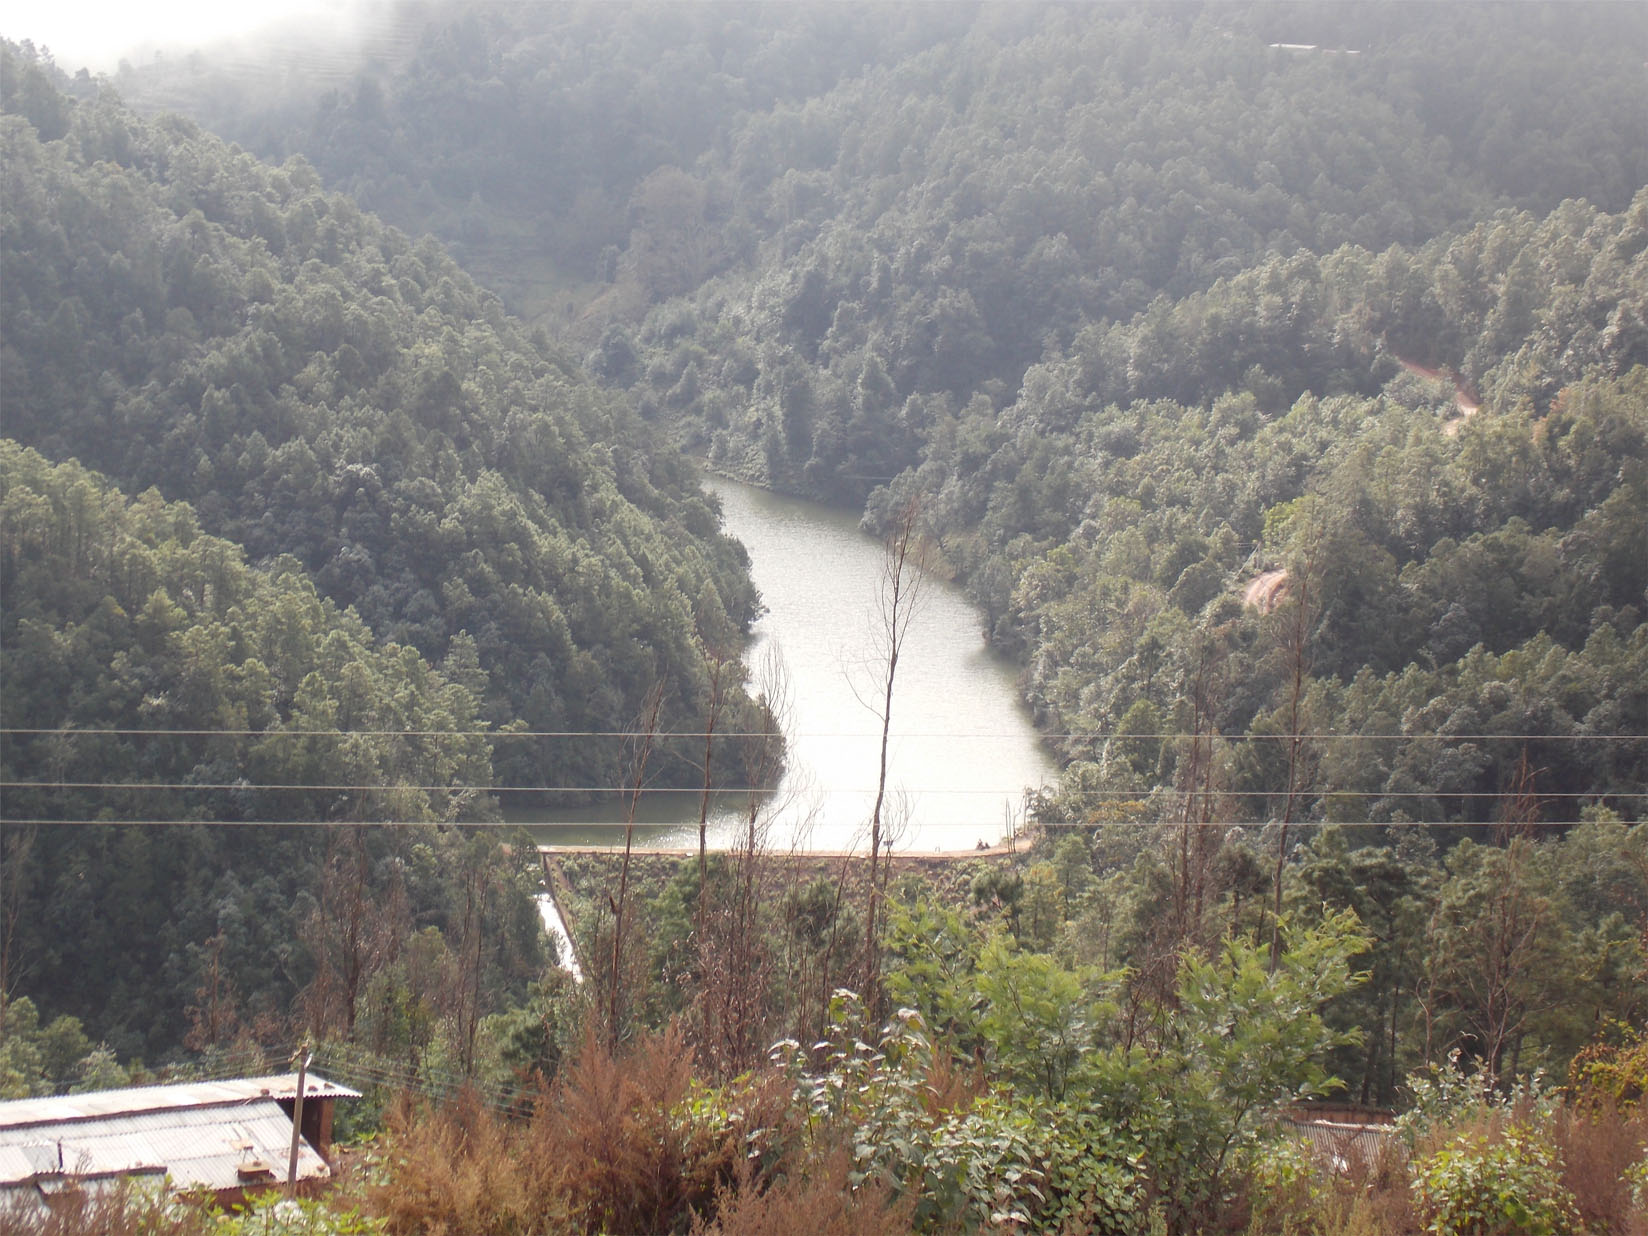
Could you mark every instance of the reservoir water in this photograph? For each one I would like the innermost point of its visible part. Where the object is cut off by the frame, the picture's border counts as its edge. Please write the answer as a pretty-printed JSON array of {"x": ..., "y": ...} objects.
[{"x": 963, "y": 753}]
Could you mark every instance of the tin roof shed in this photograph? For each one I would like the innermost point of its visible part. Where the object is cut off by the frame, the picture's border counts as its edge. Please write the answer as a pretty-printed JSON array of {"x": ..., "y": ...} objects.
[{"x": 219, "y": 1137}]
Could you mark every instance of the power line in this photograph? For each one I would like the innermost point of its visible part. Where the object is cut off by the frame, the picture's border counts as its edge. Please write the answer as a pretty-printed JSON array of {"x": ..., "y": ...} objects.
[
  {"x": 369, "y": 1069},
  {"x": 696, "y": 791},
  {"x": 993, "y": 822},
  {"x": 344, "y": 1062},
  {"x": 1096, "y": 736}
]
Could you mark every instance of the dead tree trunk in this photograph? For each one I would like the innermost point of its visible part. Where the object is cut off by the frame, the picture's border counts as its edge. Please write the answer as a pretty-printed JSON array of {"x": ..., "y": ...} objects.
[
  {"x": 718, "y": 673},
  {"x": 903, "y": 576},
  {"x": 615, "y": 992}
]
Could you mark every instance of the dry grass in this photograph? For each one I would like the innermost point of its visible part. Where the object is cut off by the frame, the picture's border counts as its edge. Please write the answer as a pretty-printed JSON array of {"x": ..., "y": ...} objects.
[
  {"x": 1372, "y": 1199},
  {"x": 626, "y": 1143},
  {"x": 611, "y": 1147},
  {"x": 610, "y": 1123},
  {"x": 951, "y": 1086},
  {"x": 814, "y": 1202},
  {"x": 1596, "y": 1145},
  {"x": 462, "y": 1171},
  {"x": 124, "y": 1211}
]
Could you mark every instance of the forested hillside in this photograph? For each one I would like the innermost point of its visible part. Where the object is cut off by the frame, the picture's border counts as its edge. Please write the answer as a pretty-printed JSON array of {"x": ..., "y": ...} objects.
[
  {"x": 409, "y": 527},
  {"x": 1142, "y": 305},
  {"x": 1143, "y": 310},
  {"x": 1450, "y": 570},
  {"x": 1274, "y": 378},
  {"x": 151, "y": 675},
  {"x": 313, "y": 383},
  {"x": 651, "y": 147},
  {"x": 948, "y": 223},
  {"x": 521, "y": 135},
  {"x": 129, "y": 634}
]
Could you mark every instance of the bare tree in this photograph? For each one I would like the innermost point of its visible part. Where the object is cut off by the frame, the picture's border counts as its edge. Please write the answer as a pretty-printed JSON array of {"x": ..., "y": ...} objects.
[
  {"x": 735, "y": 961},
  {"x": 477, "y": 885},
  {"x": 1494, "y": 959},
  {"x": 904, "y": 574},
  {"x": 615, "y": 989},
  {"x": 1198, "y": 841},
  {"x": 1188, "y": 857},
  {"x": 720, "y": 672},
  {"x": 351, "y": 932},
  {"x": 214, "y": 1019}
]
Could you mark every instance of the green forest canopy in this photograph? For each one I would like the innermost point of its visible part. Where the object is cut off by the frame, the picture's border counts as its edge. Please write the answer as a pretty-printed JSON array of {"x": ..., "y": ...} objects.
[
  {"x": 1142, "y": 308},
  {"x": 313, "y": 383},
  {"x": 1142, "y": 302}
]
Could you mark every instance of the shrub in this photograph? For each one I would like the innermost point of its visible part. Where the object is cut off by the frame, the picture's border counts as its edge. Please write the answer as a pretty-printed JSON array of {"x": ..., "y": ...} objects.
[
  {"x": 958, "y": 1158},
  {"x": 274, "y": 1215},
  {"x": 872, "y": 1093},
  {"x": 1094, "y": 1178},
  {"x": 1286, "y": 1187},
  {"x": 149, "y": 1208},
  {"x": 1612, "y": 1070},
  {"x": 1479, "y": 1185},
  {"x": 130, "y": 1209}
]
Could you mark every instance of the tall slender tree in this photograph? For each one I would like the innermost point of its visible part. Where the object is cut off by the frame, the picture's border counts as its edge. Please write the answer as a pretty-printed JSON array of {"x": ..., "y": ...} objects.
[
  {"x": 904, "y": 576},
  {"x": 720, "y": 673},
  {"x": 616, "y": 979}
]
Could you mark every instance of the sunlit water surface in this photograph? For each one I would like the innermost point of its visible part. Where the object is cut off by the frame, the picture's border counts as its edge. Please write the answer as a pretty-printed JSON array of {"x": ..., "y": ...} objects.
[{"x": 963, "y": 752}]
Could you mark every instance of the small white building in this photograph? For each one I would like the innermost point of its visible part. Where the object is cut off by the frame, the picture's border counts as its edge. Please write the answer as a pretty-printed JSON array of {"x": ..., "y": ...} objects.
[{"x": 224, "y": 1139}]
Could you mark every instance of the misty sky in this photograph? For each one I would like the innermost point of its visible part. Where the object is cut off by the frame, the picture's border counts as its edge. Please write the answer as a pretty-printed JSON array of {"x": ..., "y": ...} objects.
[{"x": 94, "y": 34}]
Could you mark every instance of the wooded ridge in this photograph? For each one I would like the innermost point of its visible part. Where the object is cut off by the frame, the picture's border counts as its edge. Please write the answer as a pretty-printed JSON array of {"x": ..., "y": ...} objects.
[{"x": 1274, "y": 378}]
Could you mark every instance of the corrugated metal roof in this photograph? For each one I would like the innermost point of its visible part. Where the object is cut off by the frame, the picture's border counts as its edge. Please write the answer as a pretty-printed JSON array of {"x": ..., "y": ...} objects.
[
  {"x": 199, "y": 1147},
  {"x": 1344, "y": 1145},
  {"x": 133, "y": 1099}
]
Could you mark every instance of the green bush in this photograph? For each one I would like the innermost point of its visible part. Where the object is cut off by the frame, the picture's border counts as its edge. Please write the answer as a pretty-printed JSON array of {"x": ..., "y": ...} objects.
[
  {"x": 1095, "y": 1177},
  {"x": 1475, "y": 1186}
]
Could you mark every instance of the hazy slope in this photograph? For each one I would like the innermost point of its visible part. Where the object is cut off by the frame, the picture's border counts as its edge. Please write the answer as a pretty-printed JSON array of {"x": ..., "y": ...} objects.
[
  {"x": 930, "y": 230},
  {"x": 176, "y": 314}
]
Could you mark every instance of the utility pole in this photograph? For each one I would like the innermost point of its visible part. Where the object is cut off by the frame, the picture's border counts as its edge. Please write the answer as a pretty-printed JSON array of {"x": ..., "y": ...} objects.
[{"x": 304, "y": 1055}]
